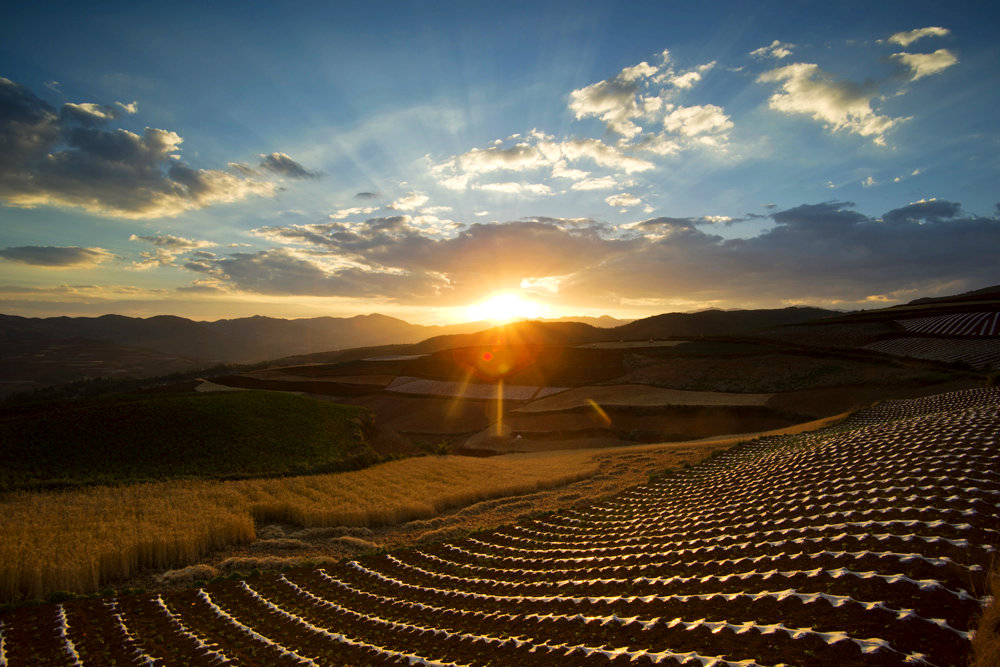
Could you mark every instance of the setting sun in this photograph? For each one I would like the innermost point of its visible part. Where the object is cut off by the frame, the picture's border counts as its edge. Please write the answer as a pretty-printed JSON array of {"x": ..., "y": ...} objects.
[{"x": 505, "y": 307}]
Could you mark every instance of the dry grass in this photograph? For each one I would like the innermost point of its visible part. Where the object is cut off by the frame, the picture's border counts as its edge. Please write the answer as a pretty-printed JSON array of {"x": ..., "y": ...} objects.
[
  {"x": 986, "y": 642},
  {"x": 80, "y": 540}
]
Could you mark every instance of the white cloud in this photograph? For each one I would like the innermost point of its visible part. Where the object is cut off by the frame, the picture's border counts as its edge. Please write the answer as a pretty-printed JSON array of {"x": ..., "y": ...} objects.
[
  {"x": 560, "y": 170},
  {"x": 603, "y": 183},
  {"x": 869, "y": 182},
  {"x": 600, "y": 153},
  {"x": 130, "y": 108},
  {"x": 775, "y": 49},
  {"x": 926, "y": 64},
  {"x": 409, "y": 201},
  {"x": 685, "y": 80},
  {"x": 695, "y": 120},
  {"x": 460, "y": 172},
  {"x": 840, "y": 105},
  {"x": 519, "y": 157},
  {"x": 904, "y": 39},
  {"x": 546, "y": 285},
  {"x": 613, "y": 100},
  {"x": 340, "y": 214},
  {"x": 513, "y": 188},
  {"x": 623, "y": 200}
]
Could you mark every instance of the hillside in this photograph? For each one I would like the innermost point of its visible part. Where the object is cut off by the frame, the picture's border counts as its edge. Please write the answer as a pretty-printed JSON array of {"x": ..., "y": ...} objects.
[
  {"x": 153, "y": 437},
  {"x": 38, "y": 352},
  {"x": 248, "y": 339}
]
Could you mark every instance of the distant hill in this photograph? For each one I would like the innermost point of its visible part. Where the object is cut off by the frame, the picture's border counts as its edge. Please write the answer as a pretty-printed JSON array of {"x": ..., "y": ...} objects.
[
  {"x": 243, "y": 340},
  {"x": 717, "y": 322},
  {"x": 533, "y": 332},
  {"x": 991, "y": 293},
  {"x": 602, "y": 322},
  {"x": 38, "y": 352},
  {"x": 671, "y": 325}
]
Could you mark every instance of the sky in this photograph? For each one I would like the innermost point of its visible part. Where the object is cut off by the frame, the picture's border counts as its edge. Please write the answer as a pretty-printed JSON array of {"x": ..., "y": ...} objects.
[{"x": 447, "y": 161}]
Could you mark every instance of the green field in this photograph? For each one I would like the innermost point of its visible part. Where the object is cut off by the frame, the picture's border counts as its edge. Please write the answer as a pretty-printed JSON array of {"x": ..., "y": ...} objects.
[{"x": 139, "y": 438}]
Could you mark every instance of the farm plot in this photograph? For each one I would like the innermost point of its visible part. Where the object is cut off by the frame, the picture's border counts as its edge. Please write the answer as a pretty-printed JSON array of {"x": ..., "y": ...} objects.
[
  {"x": 637, "y": 395},
  {"x": 865, "y": 543},
  {"x": 468, "y": 390},
  {"x": 979, "y": 353},
  {"x": 956, "y": 324}
]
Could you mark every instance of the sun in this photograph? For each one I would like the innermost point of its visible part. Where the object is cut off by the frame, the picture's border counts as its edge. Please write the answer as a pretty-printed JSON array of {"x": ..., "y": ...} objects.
[{"x": 505, "y": 307}]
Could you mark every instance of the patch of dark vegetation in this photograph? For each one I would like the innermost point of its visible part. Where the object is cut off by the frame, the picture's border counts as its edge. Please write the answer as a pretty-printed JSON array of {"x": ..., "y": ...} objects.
[
  {"x": 101, "y": 386},
  {"x": 305, "y": 385},
  {"x": 134, "y": 438}
]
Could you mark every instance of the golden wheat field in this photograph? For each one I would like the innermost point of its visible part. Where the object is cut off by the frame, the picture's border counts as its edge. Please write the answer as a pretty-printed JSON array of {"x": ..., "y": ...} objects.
[{"x": 79, "y": 540}]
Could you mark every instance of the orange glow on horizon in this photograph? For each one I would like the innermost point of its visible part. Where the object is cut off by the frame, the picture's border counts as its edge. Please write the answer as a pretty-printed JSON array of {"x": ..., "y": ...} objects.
[{"x": 505, "y": 307}]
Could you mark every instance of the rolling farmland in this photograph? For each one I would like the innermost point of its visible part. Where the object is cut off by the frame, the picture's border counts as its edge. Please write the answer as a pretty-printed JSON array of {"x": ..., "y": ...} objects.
[
  {"x": 864, "y": 543},
  {"x": 956, "y": 324},
  {"x": 978, "y": 353}
]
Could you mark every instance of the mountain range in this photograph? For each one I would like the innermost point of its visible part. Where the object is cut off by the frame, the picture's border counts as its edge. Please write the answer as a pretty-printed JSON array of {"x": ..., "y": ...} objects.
[{"x": 36, "y": 352}]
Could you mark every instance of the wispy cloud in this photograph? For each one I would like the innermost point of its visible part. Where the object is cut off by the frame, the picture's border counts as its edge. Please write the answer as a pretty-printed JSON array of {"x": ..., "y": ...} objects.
[
  {"x": 283, "y": 165},
  {"x": 904, "y": 39},
  {"x": 167, "y": 249},
  {"x": 409, "y": 202},
  {"x": 57, "y": 257},
  {"x": 926, "y": 64},
  {"x": 776, "y": 49}
]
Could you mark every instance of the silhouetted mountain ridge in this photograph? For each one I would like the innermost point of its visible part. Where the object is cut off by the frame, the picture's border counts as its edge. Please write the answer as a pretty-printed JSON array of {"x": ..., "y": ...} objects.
[{"x": 248, "y": 339}]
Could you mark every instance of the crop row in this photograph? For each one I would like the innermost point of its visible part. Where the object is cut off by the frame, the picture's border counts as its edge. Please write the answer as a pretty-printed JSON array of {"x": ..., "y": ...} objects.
[
  {"x": 979, "y": 353},
  {"x": 956, "y": 324}
]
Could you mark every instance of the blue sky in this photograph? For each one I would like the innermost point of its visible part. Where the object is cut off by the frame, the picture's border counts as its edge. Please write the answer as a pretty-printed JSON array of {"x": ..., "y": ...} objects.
[{"x": 299, "y": 159}]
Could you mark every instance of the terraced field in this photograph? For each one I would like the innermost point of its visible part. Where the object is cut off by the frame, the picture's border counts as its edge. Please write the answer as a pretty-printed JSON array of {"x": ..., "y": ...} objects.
[
  {"x": 864, "y": 543},
  {"x": 956, "y": 324},
  {"x": 981, "y": 353}
]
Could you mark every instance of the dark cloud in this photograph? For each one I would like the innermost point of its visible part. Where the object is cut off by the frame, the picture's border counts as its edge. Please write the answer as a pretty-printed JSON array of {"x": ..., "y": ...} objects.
[
  {"x": 28, "y": 126},
  {"x": 815, "y": 252},
  {"x": 831, "y": 215},
  {"x": 481, "y": 254},
  {"x": 171, "y": 242},
  {"x": 825, "y": 253},
  {"x": 931, "y": 210},
  {"x": 56, "y": 256},
  {"x": 70, "y": 158},
  {"x": 367, "y": 195},
  {"x": 284, "y": 165}
]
